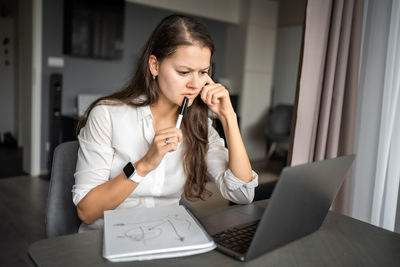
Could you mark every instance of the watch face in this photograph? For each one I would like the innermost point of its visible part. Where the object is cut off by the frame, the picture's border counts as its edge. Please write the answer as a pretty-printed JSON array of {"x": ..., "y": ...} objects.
[{"x": 129, "y": 169}]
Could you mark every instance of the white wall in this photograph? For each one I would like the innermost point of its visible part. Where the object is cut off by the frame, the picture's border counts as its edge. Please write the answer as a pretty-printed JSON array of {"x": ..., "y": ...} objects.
[
  {"x": 222, "y": 10},
  {"x": 29, "y": 83},
  {"x": 36, "y": 87},
  {"x": 235, "y": 46},
  {"x": 289, "y": 42},
  {"x": 259, "y": 54}
]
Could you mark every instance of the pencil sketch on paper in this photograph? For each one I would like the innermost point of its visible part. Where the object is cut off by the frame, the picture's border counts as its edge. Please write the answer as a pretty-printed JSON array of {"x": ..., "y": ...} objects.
[{"x": 147, "y": 230}]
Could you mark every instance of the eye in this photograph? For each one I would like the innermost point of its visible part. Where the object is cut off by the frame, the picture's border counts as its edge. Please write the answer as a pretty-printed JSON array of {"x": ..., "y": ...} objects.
[
  {"x": 183, "y": 72},
  {"x": 203, "y": 72}
]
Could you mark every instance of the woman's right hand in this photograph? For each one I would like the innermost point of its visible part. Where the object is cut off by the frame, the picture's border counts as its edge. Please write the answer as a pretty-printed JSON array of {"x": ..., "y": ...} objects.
[{"x": 164, "y": 141}]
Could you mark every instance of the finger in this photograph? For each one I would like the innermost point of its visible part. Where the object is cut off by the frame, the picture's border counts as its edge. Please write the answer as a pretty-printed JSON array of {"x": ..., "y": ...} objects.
[
  {"x": 219, "y": 95},
  {"x": 170, "y": 140},
  {"x": 172, "y": 147},
  {"x": 173, "y": 136},
  {"x": 206, "y": 91},
  {"x": 212, "y": 86},
  {"x": 209, "y": 80},
  {"x": 168, "y": 147},
  {"x": 177, "y": 135},
  {"x": 209, "y": 84},
  {"x": 214, "y": 99},
  {"x": 166, "y": 133},
  {"x": 203, "y": 93},
  {"x": 163, "y": 141},
  {"x": 180, "y": 135},
  {"x": 211, "y": 99},
  {"x": 167, "y": 130}
]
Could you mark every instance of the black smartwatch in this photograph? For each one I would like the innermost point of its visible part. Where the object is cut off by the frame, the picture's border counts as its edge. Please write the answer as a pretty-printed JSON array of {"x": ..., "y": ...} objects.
[{"x": 131, "y": 174}]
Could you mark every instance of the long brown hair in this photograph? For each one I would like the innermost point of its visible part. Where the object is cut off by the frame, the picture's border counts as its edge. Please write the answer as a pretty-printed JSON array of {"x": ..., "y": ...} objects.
[{"x": 171, "y": 32}]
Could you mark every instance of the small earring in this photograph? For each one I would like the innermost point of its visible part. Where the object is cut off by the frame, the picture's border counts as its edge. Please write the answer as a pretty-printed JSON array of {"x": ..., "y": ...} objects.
[{"x": 154, "y": 77}]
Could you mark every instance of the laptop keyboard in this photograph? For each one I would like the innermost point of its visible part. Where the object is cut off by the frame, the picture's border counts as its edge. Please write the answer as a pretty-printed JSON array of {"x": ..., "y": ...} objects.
[{"x": 237, "y": 238}]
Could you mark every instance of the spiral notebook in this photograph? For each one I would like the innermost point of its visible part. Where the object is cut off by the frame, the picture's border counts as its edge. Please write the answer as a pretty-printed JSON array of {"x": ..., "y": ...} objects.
[{"x": 153, "y": 233}]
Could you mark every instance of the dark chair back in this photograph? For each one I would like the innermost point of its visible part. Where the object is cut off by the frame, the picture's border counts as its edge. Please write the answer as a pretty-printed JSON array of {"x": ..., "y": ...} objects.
[
  {"x": 61, "y": 215},
  {"x": 264, "y": 190},
  {"x": 279, "y": 122}
]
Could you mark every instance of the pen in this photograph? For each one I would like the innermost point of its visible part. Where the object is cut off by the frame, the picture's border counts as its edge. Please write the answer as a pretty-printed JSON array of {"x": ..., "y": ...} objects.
[{"x": 180, "y": 116}]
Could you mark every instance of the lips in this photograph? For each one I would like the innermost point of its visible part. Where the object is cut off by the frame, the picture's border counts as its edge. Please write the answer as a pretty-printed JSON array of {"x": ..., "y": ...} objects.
[{"x": 190, "y": 96}]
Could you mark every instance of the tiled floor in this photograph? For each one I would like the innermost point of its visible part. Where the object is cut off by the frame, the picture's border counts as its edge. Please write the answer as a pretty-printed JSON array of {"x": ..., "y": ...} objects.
[{"x": 22, "y": 209}]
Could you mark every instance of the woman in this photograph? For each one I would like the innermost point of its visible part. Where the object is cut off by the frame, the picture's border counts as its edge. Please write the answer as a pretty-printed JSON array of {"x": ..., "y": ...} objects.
[{"x": 132, "y": 155}]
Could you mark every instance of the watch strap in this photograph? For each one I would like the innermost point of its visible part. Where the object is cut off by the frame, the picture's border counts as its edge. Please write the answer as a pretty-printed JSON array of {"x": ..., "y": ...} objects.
[
  {"x": 136, "y": 178},
  {"x": 131, "y": 174}
]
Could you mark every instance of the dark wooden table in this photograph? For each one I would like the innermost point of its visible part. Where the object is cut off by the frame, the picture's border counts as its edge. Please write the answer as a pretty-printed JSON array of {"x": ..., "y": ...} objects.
[{"x": 341, "y": 241}]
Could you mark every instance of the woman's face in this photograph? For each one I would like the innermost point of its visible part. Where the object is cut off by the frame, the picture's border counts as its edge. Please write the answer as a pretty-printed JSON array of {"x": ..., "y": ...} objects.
[{"x": 183, "y": 74}]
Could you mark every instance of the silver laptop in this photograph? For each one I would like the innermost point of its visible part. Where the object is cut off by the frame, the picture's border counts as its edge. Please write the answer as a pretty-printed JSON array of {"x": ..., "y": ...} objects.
[{"x": 298, "y": 206}]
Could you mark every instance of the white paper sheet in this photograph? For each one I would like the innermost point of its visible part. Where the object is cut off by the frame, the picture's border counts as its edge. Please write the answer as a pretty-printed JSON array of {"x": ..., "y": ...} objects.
[{"x": 141, "y": 234}]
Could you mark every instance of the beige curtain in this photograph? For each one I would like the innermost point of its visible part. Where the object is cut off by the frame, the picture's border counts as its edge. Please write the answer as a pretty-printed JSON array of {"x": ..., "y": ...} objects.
[{"x": 326, "y": 94}]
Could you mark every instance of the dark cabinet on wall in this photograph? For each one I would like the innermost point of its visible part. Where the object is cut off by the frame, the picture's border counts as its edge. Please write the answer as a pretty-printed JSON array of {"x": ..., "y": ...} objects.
[{"x": 94, "y": 28}]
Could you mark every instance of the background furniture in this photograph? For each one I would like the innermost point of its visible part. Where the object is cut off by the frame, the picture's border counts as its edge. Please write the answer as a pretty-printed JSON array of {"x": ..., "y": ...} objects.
[
  {"x": 264, "y": 190},
  {"x": 341, "y": 241},
  {"x": 61, "y": 215},
  {"x": 277, "y": 129}
]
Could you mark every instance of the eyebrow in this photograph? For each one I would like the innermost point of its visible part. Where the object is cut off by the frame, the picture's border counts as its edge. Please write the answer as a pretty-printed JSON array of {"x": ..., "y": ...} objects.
[{"x": 186, "y": 67}]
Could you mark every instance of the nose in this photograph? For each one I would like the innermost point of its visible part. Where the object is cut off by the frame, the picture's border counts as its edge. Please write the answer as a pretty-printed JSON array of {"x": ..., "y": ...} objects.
[{"x": 195, "y": 82}]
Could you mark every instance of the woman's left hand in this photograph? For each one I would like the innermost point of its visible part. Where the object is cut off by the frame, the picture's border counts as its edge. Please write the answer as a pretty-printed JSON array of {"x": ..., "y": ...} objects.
[{"x": 216, "y": 96}]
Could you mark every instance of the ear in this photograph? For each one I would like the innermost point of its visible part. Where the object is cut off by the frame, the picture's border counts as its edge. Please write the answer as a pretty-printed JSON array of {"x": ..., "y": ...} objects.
[{"x": 153, "y": 65}]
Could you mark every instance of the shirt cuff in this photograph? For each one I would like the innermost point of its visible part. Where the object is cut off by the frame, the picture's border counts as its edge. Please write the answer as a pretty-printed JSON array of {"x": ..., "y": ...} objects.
[
  {"x": 233, "y": 183},
  {"x": 79, "y": 192}
]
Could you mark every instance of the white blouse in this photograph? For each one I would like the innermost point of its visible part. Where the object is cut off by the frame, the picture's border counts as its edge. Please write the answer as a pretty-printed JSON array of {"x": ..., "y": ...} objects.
[{"x": 117, "y": 134}]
